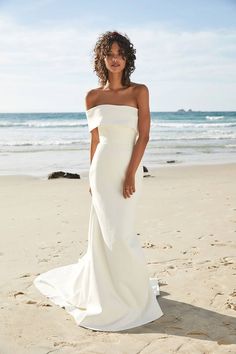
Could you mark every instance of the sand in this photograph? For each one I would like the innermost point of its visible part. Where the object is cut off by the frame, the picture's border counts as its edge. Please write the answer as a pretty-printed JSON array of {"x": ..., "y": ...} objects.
[{"x": 187, "y": 226}]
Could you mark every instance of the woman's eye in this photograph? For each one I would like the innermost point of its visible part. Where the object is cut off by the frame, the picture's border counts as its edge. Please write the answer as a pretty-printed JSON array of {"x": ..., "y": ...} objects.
[{"x": 111, "y": 55}]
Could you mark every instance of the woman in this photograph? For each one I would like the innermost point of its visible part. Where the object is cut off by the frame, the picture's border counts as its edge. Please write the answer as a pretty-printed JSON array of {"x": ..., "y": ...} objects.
[
  {"x": 109, "y": 288},
  {"x": 114, "y": 62}
]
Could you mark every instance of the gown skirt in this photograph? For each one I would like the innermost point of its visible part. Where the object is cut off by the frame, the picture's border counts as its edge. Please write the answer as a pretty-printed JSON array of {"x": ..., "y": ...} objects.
[{"x": 108, "y": 288}]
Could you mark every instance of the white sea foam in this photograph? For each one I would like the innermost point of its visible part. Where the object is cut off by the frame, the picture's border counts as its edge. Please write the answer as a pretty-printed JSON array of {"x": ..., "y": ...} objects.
[
  {"x": 214, "y": 117},
  {"x": 181, "y": 125},
  {"x": 44, "y": 124},
  {"x": 230, "y": 145},
  {"x": 41, "y": 143},
  {"x": 57, "y": 137}
]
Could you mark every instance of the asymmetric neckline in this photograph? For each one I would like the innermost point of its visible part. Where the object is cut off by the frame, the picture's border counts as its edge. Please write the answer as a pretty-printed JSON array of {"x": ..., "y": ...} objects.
[{"x": 110, "y": 104}]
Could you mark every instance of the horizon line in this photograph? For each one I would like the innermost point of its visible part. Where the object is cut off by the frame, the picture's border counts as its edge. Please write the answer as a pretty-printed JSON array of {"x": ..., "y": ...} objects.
[{"x": 151, "y": 111}]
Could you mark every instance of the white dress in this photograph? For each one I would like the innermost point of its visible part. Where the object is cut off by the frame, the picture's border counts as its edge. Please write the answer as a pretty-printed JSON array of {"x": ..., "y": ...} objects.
[{"x": 108, "y": 289}]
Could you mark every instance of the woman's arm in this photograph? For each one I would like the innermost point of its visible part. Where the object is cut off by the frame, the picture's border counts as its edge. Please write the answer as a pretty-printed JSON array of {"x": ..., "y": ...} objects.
[
  {"x": 141, "y": 143},
  {"x": 94, "y": 142},
  {"x": 89, "y": 99},
  {"x": 89, "y": 103}
]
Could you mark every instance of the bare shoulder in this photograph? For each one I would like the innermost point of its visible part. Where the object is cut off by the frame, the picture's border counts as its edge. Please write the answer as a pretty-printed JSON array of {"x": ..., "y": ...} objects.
[
  {"x": 142, "y": 95},
  {"x": 141, "y": 92},
  {"x": 138, "y": 86},
  {"x": 91, "y": 96}
]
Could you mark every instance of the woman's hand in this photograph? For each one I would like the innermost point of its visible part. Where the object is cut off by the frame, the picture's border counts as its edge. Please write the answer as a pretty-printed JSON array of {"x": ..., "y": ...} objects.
[{"x": 129, "y": 185}]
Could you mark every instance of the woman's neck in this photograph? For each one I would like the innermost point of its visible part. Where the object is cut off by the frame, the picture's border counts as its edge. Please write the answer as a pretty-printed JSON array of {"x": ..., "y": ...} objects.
[{"x": 114, "y": 83}]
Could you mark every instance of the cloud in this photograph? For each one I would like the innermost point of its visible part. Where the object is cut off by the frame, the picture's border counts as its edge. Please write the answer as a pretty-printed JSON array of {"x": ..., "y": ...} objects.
[
  {"x": 56, "y": 60},
  {"x": 24, "y": 47},
  {"x": 202, "y": 55}
]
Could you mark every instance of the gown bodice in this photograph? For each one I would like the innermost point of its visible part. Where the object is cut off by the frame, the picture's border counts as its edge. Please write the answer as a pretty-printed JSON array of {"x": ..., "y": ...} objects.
[{"x": 116, "y": 123}]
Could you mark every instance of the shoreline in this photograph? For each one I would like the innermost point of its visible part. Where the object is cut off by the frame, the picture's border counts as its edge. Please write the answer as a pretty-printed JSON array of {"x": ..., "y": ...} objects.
[
  {"x": 84, "y": 174},
  {"x": 37, "y": 145}
]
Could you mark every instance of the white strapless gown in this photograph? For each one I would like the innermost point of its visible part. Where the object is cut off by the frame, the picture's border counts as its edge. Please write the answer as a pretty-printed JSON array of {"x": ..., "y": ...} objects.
[{"x": 108, "y": 289}]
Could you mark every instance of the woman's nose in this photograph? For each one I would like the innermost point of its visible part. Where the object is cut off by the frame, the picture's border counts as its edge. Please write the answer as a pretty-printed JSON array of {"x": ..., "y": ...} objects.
[{"x": 115, "y": 56}]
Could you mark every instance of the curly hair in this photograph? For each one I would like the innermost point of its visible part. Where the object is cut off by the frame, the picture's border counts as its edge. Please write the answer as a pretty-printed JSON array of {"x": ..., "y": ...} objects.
[{"x": 102, "y": 48}]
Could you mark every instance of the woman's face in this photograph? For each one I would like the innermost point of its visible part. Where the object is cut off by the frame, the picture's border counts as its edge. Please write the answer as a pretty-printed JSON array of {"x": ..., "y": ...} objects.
[{"x": 113, "y": 60}]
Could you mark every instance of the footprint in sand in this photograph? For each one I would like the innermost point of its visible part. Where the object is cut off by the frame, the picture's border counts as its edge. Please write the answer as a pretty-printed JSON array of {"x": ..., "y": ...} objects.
[
  {"x": 213, "y": 266},
  {"x": 218, "y": 243},
  {"x": 188, "y": 264},
  {"x": 231, "y": 303},
  {"x": 214, "y": 297},
  {"x": 192, "y": 251},
  {"x": 45, "y": 304},
  {"x": 18, "y": 293},
  {"x": 171, "y": 267},
  {"x": 26, "y": 275},
  {"x": 65, "y": 344},
  {"x": 166, "y": 246},
  {"x": 152, "y": 245},
  {"x": 31, "y": 302},
  {"x": 148, "y": 245},
  {"x": 201, "y": 237},
  {"x": 38, "y": 304},
  {"x": 226, "y": 261}
]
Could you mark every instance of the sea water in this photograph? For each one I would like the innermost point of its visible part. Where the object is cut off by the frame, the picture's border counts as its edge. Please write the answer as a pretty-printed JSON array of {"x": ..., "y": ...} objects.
[{"x": 40, "y": 143}]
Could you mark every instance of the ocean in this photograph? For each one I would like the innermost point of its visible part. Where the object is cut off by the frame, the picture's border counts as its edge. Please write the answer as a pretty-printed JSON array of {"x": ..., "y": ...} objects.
[{"x": 39, "y": 143}]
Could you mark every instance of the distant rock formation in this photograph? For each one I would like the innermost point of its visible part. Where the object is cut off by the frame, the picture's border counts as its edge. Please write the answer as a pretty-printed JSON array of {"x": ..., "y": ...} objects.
[
  {"x": 181, "y": 110},
  {"x": 61, "y": 174}
]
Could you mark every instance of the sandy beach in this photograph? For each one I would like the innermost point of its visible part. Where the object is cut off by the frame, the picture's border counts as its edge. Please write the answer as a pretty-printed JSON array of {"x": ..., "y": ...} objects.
[{"x": 187, "y": 226}]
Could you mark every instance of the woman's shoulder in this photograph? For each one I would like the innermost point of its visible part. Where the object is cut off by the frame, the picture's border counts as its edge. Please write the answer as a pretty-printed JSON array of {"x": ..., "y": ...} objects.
[
  {"x": 140, "y": 89},
  {"x": 91, "y": 96},
  {"x": 139, "y": 86}
]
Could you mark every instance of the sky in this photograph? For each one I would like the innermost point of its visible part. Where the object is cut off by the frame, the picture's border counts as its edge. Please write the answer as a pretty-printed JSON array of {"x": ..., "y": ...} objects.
[{"x": 185, "y": 49}]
